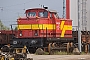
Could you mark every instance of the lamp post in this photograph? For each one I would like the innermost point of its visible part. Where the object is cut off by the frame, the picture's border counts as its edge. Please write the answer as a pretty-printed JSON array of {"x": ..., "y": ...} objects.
[{"x": 79, "y": 27}]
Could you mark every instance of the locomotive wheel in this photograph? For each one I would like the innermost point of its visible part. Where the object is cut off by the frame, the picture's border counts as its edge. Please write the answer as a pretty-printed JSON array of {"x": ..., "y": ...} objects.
[
  {"x": 68, "y": 46},
  {"x": 49, "y": 47},
  {"x": 71, "y": 44},
  {"x": 71, "y": 47},
  {"x": 53, "y": 45}
]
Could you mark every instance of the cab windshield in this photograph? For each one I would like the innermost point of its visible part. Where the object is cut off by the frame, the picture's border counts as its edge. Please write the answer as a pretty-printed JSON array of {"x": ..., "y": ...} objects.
[
  {"x": 43, "y": 14},
  {"x": 31, "y": 14}
]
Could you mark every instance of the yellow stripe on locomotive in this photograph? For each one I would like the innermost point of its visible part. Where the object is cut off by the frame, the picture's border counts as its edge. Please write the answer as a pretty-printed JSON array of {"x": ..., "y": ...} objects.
[{"x": 37, "y": 26}]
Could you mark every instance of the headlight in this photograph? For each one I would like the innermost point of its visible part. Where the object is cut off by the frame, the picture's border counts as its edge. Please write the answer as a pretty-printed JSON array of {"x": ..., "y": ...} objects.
[
  {"x": 33, "y": 42},
  {"x": 14, "y": 42},
  {"x": 20, "y": 34}
]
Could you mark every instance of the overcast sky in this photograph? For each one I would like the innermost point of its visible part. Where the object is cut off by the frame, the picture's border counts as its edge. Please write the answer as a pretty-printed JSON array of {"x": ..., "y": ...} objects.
[{"x": 11, "y": 9}]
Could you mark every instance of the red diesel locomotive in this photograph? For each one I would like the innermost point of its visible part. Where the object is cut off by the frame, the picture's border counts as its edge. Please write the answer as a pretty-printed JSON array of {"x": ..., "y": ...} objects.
[{"x": 42, "y": 28}]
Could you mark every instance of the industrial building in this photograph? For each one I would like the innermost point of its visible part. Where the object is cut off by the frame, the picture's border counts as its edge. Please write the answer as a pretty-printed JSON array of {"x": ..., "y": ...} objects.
[{"x": 84, "y": 13}]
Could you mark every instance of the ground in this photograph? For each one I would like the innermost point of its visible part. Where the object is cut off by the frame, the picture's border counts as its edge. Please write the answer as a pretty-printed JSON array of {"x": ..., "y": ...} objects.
[{"x": 59, "y": 57}]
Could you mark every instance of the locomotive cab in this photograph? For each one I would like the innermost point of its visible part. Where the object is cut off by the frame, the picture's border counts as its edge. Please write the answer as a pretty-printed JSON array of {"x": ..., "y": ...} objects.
[
  {"x": 41, "y": 13},
  {"x": 40, "y": 22}
]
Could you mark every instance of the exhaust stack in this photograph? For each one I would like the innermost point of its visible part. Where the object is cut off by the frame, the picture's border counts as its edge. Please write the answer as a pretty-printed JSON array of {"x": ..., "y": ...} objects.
[{"x": 67, "y": 9}]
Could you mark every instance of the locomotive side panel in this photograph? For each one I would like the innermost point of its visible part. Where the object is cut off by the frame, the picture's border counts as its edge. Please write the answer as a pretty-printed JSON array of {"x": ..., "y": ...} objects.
[{"x": 64, "y": 28}]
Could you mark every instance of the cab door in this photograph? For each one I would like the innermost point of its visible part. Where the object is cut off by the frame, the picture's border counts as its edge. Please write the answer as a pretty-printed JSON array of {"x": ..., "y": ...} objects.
[{"x": 52, "y": 23}]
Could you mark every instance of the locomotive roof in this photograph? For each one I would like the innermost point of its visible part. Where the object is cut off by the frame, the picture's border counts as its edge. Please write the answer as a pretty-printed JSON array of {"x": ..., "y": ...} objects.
[{"x": 54, "y": 11}]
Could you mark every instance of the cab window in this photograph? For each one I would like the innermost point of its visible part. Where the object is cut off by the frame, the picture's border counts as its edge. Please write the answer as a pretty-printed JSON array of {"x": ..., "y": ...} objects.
[
  {"x": 43, "y": 14},
  {"x": 56, "y": 15},
  {"x": 50, "y": 15},
  {"x": 31, "y": 14}
]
